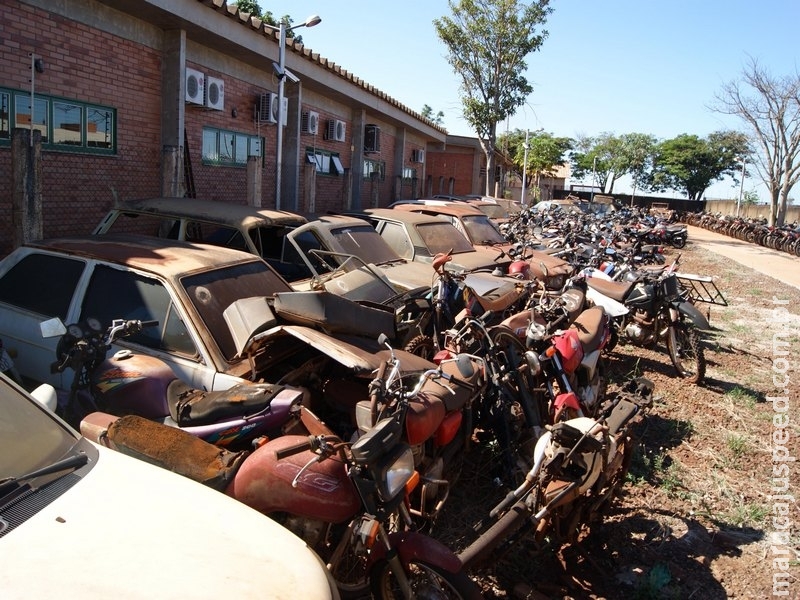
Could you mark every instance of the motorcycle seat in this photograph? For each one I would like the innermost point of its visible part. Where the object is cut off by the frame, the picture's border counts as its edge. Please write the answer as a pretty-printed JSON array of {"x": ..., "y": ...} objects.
[
  {"x": 618, "y": 290},
  {"x": 189, "y": 406},
  {"x": 500, "y": 299},
  {"x": 590, "y": 326}
]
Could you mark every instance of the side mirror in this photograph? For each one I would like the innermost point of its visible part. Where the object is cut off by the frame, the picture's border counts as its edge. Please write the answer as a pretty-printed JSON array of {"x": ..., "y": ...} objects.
[{"x": 52, "y": 328}]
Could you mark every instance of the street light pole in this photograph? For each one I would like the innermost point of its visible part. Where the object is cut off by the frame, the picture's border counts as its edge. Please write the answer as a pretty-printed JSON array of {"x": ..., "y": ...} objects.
[
  {"x": 741, "y": 189},
  {"x": 524, "y": 169},
  {"x": 281, "y": 72}
]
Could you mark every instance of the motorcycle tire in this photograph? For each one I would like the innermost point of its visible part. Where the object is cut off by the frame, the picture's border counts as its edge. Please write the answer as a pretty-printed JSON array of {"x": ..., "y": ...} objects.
[
  {"x": 427, "y": 581},
  {"x": 678, "y": 242},
  {"x": 686, "y": 352},
  {"x": 421, "y": 346}
]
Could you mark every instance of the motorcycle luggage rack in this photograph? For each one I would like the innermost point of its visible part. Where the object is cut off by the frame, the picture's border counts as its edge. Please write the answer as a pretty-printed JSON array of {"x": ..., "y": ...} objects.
[{"x": 701, "y": 288}]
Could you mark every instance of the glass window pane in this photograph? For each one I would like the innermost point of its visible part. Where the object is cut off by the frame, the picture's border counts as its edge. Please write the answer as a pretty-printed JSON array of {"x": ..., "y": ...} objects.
[
  {"x": 210, "y": 151},
  {"x": 226, "y": 146},
  {"x": 23, "y": 114},
  {"x": 67, "y": 124},
  {"x": 99, "y": 128},
  {"x": 5, "y": 116},
  {"x": 240, "y": 142},
  {"x": 42, "y": 284},
  {"x": 337, "y": 165}
]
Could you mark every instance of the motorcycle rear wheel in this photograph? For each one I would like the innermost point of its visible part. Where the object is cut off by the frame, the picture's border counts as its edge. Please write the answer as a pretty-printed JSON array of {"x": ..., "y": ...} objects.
[
  {"x": 422, "y": 346},
  {"x": 678, "y": 242},
  {"x": 427, "y": 581},
  {"x": 686, "y": 352}
]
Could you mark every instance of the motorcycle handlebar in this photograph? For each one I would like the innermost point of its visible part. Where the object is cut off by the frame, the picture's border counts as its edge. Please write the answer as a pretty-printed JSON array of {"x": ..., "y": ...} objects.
[{"x": 307, "y": 444}]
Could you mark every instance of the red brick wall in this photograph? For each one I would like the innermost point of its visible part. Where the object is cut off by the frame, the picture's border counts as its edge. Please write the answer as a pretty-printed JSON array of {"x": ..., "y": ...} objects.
[
  {"x": 456, "y": 163},
  {"x": 87, "y": 66}
]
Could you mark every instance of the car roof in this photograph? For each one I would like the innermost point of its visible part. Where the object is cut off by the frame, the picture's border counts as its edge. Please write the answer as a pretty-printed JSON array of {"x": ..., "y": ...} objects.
[
  {"x": 456, "y": 210},
  {"x": 402, "y": 215},
  {"x": 168, "y": 258},
  {"x": 211, "y": 210}
]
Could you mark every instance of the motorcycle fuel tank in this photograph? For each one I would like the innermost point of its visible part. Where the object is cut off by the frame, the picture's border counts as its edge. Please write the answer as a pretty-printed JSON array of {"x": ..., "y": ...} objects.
[
  {"x": 323, "y": 492},
  {"x": 137, "y": 383}
]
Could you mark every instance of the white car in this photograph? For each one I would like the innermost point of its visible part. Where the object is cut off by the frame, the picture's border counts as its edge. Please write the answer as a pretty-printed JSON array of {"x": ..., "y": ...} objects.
[{"x": 81, "y": 521}]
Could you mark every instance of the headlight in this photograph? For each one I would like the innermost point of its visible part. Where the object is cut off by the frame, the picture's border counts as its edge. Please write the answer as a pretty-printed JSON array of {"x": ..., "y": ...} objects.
[
  {"x": 533, "y": 362},
  {"x": 395, "y": 471},
  {"x": 536, "y": 332}
]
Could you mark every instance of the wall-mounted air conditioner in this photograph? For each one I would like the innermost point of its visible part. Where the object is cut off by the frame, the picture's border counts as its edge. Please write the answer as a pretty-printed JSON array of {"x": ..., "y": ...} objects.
[
  {"x": 215, "y": 93},
  {"x": 418, "y": 156},
  {"x": 310, "y": 122},
  {"x": 336, "y": 130},
  {"x": 195, "y": 86},
  {"x": 273, "y": 109},
  {"x": 372, "y": 138}
]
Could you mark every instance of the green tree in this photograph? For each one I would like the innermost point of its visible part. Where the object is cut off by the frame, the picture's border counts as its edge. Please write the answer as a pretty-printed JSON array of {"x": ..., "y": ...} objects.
[
  {"x": 690, "y": 164},
  {"x": 545, "y": 154},
  {"x": 487, "y": 43},
  {"x": 252, "y": 7},
  {"x": 427, "y": 112},
  {"x": 600, "y": 158},
  {"x": 771, "y": 108}
]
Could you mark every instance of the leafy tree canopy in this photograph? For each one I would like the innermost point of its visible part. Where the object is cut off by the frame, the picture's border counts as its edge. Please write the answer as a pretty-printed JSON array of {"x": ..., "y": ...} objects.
[
  {"x": 690, "y": 164},
  {"x": 427, "y": 112}
]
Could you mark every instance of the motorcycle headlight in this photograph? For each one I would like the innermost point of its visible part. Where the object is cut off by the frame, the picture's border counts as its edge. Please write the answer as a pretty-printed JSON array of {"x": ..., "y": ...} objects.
[
  {"x": 532, "y": 358},
  {"x": 536, "y": 332},
  {"x": 394, "y": 471}
]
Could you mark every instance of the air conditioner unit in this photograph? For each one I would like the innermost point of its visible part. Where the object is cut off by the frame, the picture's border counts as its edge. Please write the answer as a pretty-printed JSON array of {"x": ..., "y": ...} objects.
[
  {"x": 195, "y": 86},
  {"x": 310, "y": 122},
  {"x": 273, "y": 109},
  {"x": 372, "y": 138},
  {"x": 215, "y": 93},
  {"x": 418, "y": 156},
  {"x": 336, "y": 130}
]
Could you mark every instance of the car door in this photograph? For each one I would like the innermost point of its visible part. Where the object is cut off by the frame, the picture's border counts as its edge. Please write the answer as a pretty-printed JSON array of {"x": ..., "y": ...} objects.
[{"x": 36, "y": 286}]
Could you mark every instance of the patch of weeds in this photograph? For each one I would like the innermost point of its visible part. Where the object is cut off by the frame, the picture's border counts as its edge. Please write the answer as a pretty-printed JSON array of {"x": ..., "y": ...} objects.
[
  {"x": 757, "y": 292},
  {"x": 742, "y": 397},
  {"x": 654, "y": 584},
  {"x": 737, "y": 444},
  {"x": 747, "y": 515}
]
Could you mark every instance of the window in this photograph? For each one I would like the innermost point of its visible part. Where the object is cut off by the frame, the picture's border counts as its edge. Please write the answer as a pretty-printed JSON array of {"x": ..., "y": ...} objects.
[
  {"x": 137, "y": 297},
  {"x": 65, "y": 125},
  {"x": 396, "y": 236},
  {"x": 42, "y": 283},
  {"x": 409, "y": 173},
  {"x": 374, "y": 168},
  {"x": 326, "y": 163},
  {"x": 229, "y": 148}
]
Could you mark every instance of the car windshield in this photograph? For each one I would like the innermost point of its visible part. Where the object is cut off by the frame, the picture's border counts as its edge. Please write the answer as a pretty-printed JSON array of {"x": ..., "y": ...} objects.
[
  {"x": 442, "y": 237},
  {"x": 482, "y": 231},
  {"x": 31, "y": 437},
  {"x": 493, "y": 211},
  {"x": 365, "y": 243},
  {"x": 211, "y": 292}
]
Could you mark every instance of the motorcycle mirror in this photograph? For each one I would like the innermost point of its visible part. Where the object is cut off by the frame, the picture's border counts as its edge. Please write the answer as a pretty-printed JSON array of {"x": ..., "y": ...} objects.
[
  {"x": 52, "y": 328},
  {"x": 383, "y": 339},
  {"x": 465, "y": 366}
]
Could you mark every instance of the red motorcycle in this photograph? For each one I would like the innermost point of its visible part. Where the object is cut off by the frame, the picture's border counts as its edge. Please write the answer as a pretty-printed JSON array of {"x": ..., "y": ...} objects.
[{"x": 346, "y": 500}]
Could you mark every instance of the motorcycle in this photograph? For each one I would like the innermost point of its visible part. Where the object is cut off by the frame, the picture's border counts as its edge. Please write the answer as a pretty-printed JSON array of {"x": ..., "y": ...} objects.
[
  {"x": 650, "y": 307},
  {"x": 131, "y": 383},
  {"x": 435, "y": 409},
  {"x": 579, "y": 466},
  {"x": 346, "y": 500}
]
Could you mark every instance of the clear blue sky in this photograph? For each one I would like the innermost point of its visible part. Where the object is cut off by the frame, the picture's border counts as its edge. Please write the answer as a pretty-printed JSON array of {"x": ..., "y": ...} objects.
[{"x": 621, "y": 66}]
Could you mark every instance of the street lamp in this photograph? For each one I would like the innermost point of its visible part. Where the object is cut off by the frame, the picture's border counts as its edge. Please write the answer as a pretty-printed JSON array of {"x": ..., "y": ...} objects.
[
  {"x": 280, "y": 71},
  {"x": 524, "y": 169},
  {"x": 741, "y": 187}
]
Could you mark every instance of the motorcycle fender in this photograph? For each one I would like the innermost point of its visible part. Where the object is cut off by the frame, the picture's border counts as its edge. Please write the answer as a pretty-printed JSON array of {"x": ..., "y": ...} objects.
[
  {"x": 697, "y": 318},
  {"x": 611, "y": 306},
  {"x": 412, "y": 546}
]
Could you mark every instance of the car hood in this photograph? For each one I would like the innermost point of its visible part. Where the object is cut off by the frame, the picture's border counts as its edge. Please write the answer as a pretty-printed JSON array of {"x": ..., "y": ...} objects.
[
  {"x": 482, "y": 258},
  {"x": 129, "y": 530}
]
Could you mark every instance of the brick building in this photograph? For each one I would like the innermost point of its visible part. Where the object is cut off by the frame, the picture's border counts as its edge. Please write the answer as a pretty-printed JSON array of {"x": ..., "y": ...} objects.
[{"x": 143, "y": 98}]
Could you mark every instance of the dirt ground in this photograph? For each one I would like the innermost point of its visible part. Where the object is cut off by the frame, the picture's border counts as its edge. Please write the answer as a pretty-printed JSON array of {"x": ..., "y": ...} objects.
[{"x": 695, "y": 517}]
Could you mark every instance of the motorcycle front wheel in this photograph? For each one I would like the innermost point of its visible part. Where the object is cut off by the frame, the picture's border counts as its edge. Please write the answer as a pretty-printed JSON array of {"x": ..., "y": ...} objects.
[
  {"x": 678, "y": 242},
  {"x": 426, "y": 581},
  {"x": 686, "y": 352}
]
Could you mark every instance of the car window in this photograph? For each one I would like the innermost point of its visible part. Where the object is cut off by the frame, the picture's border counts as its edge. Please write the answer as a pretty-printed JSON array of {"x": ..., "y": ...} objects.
[
  {"x": 117, "y": 294},
  {"x": 308, "y": 241},
  {"x": 481, "y": 230},
  {"x": 211, "y": 292},
  {"x": 441, "y": 237},
  {"x": 364, "y": 242},
  {"x": 395, "y": 235},
  {"x": 42, "y": 283},
  {"x": 216, "y": 235}
]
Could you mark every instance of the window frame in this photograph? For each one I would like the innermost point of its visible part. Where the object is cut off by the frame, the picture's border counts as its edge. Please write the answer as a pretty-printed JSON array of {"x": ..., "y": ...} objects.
[
  {"x": 371, "y": 166},
  {"x": 10, "y": 106},
  {"x": 325, "y": 162},
  {"x": 254, "y": 146}
]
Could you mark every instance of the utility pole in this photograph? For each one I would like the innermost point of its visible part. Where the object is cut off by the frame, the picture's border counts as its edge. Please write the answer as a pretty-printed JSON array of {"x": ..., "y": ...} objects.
[{"x": 524, "y": 169}]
